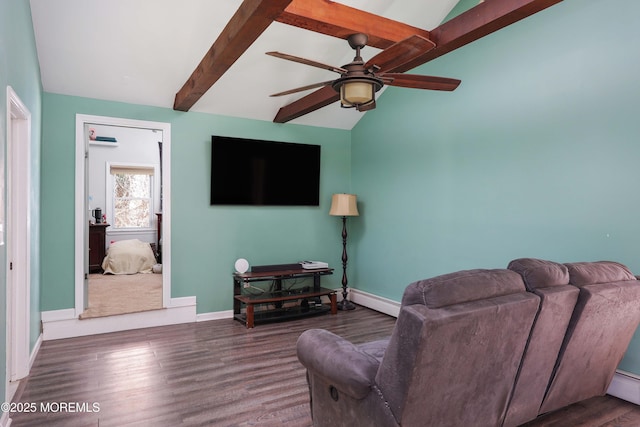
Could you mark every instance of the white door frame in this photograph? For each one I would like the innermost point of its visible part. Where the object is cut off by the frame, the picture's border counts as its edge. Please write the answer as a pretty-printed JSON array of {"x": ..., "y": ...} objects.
[
  {"x": 81, "y": 208},
  {"x": 18, "y": 235}
]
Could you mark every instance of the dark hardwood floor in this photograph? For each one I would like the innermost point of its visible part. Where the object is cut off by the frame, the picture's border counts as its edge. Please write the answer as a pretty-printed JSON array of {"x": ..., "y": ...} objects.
[
  {"x": 605, "y": 411},
  {"x": 213, "y": 373}
]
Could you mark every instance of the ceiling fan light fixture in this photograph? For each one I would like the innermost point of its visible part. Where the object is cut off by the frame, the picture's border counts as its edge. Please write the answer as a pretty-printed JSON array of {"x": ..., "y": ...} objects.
[{"x": 357, "y": 91}]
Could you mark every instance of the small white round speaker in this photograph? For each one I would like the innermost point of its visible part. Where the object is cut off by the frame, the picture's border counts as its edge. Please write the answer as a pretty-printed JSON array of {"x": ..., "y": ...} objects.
[{"x": 241, "y": 265}]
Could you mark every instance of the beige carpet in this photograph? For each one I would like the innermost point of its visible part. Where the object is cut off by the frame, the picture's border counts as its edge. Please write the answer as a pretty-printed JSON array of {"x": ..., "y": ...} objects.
[{"x": 119, "y": 294}]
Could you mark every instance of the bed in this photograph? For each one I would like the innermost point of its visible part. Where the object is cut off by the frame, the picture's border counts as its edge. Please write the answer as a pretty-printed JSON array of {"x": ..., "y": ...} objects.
[{"x": 129, "y": 257}]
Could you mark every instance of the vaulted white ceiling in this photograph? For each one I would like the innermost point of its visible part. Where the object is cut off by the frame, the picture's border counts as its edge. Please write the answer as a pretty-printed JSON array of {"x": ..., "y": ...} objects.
[{"x": 143, "y": 52}]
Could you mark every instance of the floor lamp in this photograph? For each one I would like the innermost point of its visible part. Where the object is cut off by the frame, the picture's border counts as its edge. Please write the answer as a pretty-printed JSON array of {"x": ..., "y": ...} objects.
[{"x": 344, "y": 205}]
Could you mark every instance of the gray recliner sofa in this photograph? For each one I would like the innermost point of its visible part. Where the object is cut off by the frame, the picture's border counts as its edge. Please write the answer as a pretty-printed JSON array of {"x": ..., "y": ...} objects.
[
  {"x": 480, "y": 348},
  {"x": 451, "y": 360}
]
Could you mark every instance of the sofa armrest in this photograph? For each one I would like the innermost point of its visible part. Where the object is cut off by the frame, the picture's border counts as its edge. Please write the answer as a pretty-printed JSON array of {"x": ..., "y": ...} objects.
[{"x": 338, "y": 361}]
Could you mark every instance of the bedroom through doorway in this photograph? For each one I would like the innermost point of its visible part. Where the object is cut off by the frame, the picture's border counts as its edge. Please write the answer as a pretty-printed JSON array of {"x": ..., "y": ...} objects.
[{"x": 124, "y": 253}]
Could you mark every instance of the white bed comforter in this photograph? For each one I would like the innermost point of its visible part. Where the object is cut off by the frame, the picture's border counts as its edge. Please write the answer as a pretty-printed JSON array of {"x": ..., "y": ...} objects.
[{"x": 129, "y": 257}]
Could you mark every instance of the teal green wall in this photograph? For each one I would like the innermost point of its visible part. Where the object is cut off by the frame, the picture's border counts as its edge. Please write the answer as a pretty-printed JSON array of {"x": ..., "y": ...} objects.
[
  {"x": 19, "y": 69},
  {"x": 206, "y": 240},
  {"x": 534, "y": 155}
]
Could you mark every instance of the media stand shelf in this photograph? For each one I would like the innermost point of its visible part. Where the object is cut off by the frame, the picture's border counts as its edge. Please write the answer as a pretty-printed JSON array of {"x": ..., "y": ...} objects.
[{"x": 244, "y": 302}]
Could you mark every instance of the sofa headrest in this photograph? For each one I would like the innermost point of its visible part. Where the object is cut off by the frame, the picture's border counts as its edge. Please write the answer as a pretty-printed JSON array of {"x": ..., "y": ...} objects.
[
  {"x": 539, "y": 273},
  {"x": 592, "y": 273},
  {"x": 462, "y": 286}
]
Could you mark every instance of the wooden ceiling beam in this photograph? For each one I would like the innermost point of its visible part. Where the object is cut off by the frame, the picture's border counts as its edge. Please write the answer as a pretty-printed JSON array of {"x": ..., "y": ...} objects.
[
  {"x": 246, "y": 25},
  {"x": 338, "y": 20},
  {"x": 477, "y": 22}
]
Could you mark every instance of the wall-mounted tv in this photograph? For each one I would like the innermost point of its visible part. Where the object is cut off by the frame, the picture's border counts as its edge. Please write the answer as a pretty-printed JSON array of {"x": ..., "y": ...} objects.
[{"x": 264, "y": 173}]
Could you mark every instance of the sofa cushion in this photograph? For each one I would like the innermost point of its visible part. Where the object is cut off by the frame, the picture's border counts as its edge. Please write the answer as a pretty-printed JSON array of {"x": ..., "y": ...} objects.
[
  {"x": 539, "y": 273},
  {"x": 593, "y": 273},
  {"x": 602, "y": 324},
  {"x": 456, "y": 365},
  {"x": 462, "y": 286},
  {"x": 550, "y": 281}
]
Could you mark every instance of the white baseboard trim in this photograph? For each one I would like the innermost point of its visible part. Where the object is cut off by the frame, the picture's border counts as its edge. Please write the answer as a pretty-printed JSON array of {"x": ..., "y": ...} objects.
[
  {"x": 182, "y": 302},
  {"x": 57, "y": 315},
  {"x": 374, "y": 302},
  {"x": 58, "y": 324},
  {"x": 12, "y": 386},
  {"x": 625, "y": 386},
  {"x": 34, "y": 352},
  {"x": 216, "y": 315}
]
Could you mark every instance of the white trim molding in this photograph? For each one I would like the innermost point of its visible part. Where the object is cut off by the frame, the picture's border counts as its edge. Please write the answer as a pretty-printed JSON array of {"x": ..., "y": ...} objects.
[
  {"x": 216, "y": 315},
  {"x": 17, "y": 205},
  {"x": 34, "y": 352},
  {"x": 12, "y": 386},
  {"x": 625, "y": 386},
  {"x": 58, "y": 324},
  {"x": 374, "y": 302}
]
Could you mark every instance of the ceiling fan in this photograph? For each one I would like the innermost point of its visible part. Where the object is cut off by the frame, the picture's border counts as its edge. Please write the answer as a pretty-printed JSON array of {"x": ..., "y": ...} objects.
[{"x": 359, "y": 80}]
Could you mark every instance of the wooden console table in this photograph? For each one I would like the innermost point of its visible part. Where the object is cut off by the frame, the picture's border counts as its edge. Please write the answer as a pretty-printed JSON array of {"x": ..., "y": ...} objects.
[
  {"x": 97, "y": 246},
  {"x": 277, "y": 295}
]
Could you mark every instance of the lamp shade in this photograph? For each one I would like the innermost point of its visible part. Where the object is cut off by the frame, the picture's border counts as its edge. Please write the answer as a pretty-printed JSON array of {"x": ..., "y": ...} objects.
[
  {"x": 343, "y": 205},
  {"x": 357, "y": 92}
]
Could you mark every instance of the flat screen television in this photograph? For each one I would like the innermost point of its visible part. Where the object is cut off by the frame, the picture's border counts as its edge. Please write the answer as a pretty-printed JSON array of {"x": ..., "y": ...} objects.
[{"x": 264, "y": 173}]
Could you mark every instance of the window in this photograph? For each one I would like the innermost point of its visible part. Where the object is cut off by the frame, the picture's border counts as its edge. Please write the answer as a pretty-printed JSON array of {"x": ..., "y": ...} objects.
[{"x": 132, "y": 196}]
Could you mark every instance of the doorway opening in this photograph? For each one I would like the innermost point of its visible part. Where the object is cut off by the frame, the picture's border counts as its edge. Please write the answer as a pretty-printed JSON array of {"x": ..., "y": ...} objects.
[{"x": 122, "y": 230}]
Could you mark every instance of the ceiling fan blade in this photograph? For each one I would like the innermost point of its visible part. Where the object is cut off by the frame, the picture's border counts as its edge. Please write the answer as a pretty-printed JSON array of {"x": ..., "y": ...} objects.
[
  {"x": 307, "y": 62},
  {"x": 401, "y": 52},
  {"x": 420, "y": 82},
  {"x": 303, "y": 88},
  {"x": 308, "y": 103}
]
